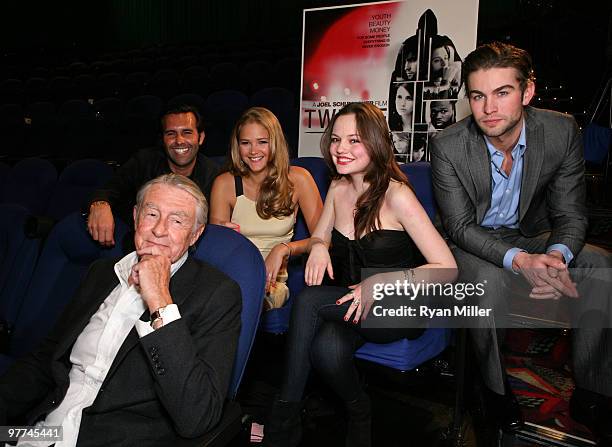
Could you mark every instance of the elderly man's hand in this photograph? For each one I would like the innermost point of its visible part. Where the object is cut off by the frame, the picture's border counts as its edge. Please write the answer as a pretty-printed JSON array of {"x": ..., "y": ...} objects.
[
  {"x": 101, "y": 224},
  {"x": 152, "y": 275}
]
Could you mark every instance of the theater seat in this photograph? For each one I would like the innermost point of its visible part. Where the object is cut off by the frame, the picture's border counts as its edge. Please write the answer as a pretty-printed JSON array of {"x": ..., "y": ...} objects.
[
  {"x": 222, "y": 110},
  {"x": 30, "y": 183},
  {"x": 238, "y": 258},
  {"x": 405, "y": 355},
  {"x": 276, "y": 321},
  {"x": 18, "y": 255},
  {"x": 419, "y": 175},
  {"x": 75, "y": 184},
  {"x": 65, "y": 258}
]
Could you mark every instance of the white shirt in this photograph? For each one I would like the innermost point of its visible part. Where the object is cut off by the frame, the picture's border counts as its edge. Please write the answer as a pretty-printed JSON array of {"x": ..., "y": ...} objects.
[{"x": 96, "y": 347}]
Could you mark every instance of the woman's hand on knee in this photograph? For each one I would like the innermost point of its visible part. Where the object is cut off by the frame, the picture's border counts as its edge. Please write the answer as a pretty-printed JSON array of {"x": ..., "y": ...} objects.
[
  {"x": 274, "y": 262},
  {"x": 356, "y": 307}
]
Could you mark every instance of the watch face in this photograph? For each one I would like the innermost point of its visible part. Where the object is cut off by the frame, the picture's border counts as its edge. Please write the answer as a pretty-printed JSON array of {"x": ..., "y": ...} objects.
[{"x": 157, "y": 323}]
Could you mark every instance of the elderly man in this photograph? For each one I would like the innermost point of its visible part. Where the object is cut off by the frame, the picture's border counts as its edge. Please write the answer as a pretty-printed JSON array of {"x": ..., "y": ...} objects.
[
  {"x": 509, "y": 182},
  {"x": 143, "y": 353},
  {"x": 182, "y": 136}
]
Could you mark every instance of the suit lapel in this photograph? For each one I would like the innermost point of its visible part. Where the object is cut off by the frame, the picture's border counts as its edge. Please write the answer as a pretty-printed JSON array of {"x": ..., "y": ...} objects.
[
  {"x": 479, "y": 165},
  {"x": 181, "y": 286},
  {"x": 532, "y": 164}
]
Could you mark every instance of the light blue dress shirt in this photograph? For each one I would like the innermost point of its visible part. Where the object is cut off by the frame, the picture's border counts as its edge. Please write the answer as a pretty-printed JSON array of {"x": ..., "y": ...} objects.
[{"x": 505, "y": 196}]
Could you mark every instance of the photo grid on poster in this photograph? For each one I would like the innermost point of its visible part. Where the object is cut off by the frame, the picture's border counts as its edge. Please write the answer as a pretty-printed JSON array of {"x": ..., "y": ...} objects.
[
  {"x": 423, "y": 91},
  {"x": 402, "y": 56}
]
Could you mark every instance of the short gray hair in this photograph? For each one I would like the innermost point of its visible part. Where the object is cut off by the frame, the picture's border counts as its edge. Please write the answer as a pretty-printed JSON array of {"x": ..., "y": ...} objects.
[{"x": 181, "y": 182}]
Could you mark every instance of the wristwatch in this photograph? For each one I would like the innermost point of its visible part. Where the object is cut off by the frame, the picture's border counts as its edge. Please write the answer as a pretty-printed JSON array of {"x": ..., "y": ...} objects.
[{"x": 157, "y": 319}]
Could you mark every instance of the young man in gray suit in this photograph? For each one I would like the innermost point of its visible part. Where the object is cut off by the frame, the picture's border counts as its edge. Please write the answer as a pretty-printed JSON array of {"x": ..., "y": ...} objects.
[{"x": 509, "y": 182}]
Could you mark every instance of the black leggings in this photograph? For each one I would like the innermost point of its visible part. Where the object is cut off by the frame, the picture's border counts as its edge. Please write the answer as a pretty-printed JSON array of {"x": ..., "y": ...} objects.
[{"x": 320, "y": 338}]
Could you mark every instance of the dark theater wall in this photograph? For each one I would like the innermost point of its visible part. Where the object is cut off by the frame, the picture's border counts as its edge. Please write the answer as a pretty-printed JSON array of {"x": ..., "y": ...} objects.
[{"x": 122, "y": 24}]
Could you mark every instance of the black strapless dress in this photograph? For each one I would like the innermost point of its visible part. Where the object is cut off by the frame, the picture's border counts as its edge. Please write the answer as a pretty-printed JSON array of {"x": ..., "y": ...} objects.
[
  {"x": 377, "y": 249},
  {"x": 318, "y": 332}
]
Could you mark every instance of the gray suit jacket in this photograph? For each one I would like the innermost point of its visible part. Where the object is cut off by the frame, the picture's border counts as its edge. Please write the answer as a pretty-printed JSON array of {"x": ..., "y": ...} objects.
[
  {"x": 161, "y": 389},
  {"x": 552, "y": 189}
]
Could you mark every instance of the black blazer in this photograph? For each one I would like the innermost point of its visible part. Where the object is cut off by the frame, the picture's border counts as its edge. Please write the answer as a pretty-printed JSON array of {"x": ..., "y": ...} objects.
[{"x": 162, "y": 388}]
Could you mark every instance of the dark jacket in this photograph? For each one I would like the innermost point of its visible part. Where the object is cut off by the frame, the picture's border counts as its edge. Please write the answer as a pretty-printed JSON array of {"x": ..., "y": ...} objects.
[
  {"x": 161, "y": 388},
  {"x": 147, "y": 164}
]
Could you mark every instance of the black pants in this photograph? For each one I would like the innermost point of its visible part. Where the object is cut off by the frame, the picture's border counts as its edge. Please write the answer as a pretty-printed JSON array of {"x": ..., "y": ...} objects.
[{"x": 320, "y": 338}]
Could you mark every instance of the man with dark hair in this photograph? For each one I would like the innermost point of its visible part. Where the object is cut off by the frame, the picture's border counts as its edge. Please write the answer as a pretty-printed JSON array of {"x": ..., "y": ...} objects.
[
  {"x": 182, "y": 136},
  {"x": 143, "y": 353},
  {"x": 441, "y": 114},
  {"x": 509, "y": 182}
]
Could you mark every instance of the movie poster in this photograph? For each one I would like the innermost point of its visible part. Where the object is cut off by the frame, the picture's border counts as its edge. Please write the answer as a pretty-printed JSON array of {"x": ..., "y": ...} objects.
[{"x": 403, "y": 56}]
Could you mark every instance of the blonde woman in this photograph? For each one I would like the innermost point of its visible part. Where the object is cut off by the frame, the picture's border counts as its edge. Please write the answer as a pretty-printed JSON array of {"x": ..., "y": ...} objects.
[{"x": 261, "y": 194}]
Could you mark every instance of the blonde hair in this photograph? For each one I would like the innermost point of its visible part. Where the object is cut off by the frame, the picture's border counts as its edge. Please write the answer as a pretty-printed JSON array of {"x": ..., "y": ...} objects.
[
  {"x": 275, "y": 197},
  {"x": 181, "y": 182}
]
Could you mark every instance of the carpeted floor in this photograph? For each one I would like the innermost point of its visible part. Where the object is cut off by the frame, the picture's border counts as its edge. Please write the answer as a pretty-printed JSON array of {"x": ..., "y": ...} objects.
[{"x": 537, "y": 362}]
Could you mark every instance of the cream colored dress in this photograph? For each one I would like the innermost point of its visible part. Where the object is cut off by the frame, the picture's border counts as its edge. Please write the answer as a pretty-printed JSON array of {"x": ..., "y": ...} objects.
[{"x": 265, "y": 235}]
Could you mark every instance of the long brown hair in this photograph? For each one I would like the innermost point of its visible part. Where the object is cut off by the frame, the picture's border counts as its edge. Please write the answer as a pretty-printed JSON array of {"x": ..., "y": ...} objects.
[
  {"x": 275, "y": 198},
  {"x": 375, "y": 136}
]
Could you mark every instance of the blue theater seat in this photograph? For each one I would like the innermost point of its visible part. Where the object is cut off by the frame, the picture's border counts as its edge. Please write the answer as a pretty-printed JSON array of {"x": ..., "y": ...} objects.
[
  {"x": 65, "y": 258},
  {"x": 238, "y": 258},
  {"x": 30, "y": 183},
  {"x": 276, "y": 321},
  {"x": 75, "y": 184},
  {"x": 18, "y": 255}
]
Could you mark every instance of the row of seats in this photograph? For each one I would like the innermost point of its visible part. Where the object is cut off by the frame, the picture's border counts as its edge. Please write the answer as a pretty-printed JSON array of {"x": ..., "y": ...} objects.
[
  {"x": 48, "y": 64},
  {"x": 165, "y": 83},
  {"x": 34, "y": 185},
  {"x": 31, "y": 180},
  {"x": 112, "y": 129}
]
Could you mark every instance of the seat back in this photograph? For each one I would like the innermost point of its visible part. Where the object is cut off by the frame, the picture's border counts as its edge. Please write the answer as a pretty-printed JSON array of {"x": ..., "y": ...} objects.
[
  {"x": 65, "y": 258},
  {"x": 76, "y": 182},
  {"x": 276, "y": 321},
  {"x": 30, "y": 184},
  {"x": 597, "y": 143},
  {"x": 276, "y": 99},
  {"x": 239, "y": 259},
  {"x": 12, "y": 126},
  {"x": 419, "y": 175},
  {"x": 405, "y": 355},
  {"x": 222, "y": 109},
  {"x": 4, "y": 171},
  {"x": 18, "y": 255},
  {"x": 191, "y": 99}
]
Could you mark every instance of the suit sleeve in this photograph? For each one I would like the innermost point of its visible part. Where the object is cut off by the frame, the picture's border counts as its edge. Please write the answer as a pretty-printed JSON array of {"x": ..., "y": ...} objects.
[
  {"x": 566, "y": 196},
  {"x": 457, "y": 210},
  {"x": 192, "y": 366}
]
